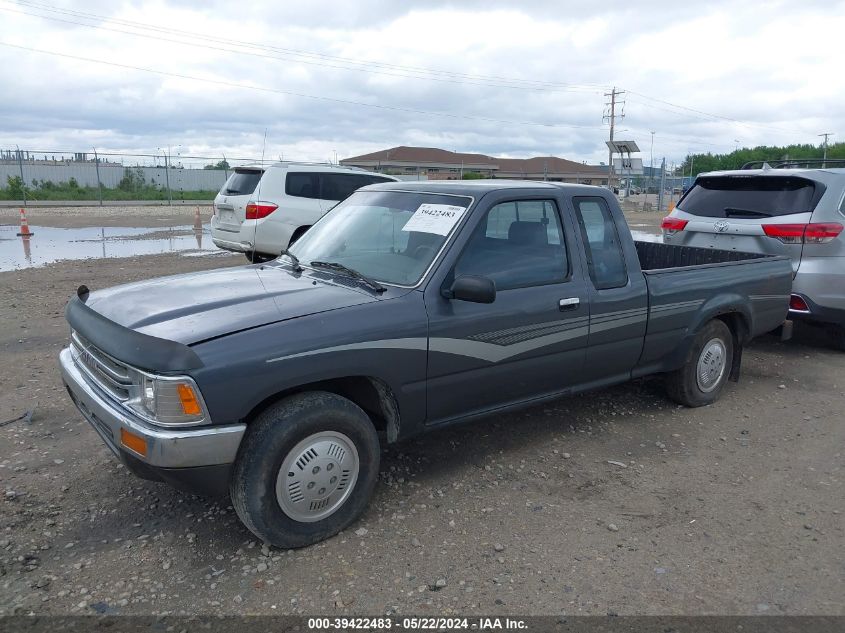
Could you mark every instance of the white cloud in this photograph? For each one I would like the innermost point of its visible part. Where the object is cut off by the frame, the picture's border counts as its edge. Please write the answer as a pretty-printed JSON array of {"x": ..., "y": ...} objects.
[{"x": 773, "y": 69}]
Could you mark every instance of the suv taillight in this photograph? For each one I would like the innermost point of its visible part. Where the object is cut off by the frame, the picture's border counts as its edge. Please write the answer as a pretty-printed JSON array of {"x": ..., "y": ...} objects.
[
  {"x": 258, "y": 210},
  {"x": 673, "y": 225},
  {"x": 813, "y": 233}
]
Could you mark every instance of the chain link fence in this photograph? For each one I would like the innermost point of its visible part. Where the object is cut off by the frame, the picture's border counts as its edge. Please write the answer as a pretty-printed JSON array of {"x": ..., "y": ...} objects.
[{"x": 167, "y": 176}]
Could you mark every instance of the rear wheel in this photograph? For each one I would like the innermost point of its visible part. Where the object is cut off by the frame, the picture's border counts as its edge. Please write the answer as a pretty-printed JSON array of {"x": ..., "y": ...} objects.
[
  {"x": 259, "y": 258},
  {"x": 305, "y": 470},
  {"x": 704, "y": 374},
  {"x": 837, "y": 332}
]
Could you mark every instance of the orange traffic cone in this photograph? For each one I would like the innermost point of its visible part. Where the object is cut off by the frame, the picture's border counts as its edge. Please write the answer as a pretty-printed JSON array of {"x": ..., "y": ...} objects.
[
  {"x": 24, "y": 232},
  {"x": 197, "y": 220}
]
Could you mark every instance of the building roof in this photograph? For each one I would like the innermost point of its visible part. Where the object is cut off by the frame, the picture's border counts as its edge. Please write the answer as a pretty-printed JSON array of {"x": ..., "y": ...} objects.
[
  {"x": 541, "y": 164},
  {"x": 407, "y": 154},
  {"x": 434, "y": 155}
]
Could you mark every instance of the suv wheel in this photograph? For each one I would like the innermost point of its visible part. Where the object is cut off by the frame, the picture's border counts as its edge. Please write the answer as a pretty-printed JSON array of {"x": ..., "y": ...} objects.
[
  {"x": 305, "y": 470},
  {"x": 704, "y": 374}
]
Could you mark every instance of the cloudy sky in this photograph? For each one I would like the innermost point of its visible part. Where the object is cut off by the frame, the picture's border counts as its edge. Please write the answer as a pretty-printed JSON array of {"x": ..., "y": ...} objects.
[{"x": 502, "y": 78}]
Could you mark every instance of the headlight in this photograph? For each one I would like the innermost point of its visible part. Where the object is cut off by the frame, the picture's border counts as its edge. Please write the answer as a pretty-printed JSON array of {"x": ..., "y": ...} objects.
[{"x": 167, "y": 400}]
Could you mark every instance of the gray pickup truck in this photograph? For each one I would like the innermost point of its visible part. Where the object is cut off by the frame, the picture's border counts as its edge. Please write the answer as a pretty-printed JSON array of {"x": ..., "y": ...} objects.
[{"x": 408, "y": 307}]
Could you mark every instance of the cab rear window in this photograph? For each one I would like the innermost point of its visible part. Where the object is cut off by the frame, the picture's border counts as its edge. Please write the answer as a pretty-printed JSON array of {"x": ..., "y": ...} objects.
[
  {"x": 751, "y": 196},
  {"x": 242, "y": 182}
]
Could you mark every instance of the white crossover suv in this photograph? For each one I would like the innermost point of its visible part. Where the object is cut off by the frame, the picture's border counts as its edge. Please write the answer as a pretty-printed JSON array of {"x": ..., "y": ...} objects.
[{"x": 261, "y": 210}]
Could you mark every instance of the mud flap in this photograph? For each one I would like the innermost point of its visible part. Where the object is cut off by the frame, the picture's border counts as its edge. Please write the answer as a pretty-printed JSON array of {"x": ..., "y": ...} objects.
[{"x": 736, "y": 364}]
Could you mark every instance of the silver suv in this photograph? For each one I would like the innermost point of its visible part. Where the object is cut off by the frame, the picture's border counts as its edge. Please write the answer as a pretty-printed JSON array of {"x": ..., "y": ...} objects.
[{"x": 781, "y": 207}]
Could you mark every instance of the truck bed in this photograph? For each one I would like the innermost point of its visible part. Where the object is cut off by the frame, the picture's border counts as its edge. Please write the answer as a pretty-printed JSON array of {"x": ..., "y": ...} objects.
[{"x": 659, "y": 256}]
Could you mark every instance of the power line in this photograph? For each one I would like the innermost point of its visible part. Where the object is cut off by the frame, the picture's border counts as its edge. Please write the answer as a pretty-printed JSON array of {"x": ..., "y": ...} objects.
[
  {"x": 287, "y": 54},
  {"x": 290, "y": 93},
  {"x": 362, "y": 65}
]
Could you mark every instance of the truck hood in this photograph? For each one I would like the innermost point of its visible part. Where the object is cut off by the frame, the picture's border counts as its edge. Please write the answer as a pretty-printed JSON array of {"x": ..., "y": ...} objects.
[{"x": 194, "y": 307}]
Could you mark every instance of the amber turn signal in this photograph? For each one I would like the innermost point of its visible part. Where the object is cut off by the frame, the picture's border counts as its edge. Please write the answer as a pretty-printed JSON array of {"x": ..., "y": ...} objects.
[
  {"x": 133, "y": 442},
  {"x": 190, "y": 402}
]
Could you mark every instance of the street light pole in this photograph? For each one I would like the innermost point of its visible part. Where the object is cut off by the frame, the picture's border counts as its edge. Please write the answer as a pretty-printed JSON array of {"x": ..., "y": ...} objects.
[{"x": 99, "y": 182}]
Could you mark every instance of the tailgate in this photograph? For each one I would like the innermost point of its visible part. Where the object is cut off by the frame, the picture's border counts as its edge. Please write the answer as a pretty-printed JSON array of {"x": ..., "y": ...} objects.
[{"x": 737, "y": 234}]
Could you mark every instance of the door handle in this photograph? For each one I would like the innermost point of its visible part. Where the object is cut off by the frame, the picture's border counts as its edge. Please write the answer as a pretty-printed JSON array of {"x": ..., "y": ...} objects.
[{"x": 569, "y": 304}]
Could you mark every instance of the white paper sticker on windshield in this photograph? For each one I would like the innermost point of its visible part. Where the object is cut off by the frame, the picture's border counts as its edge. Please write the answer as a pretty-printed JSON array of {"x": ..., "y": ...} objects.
[{"x": 434, "y": 218}]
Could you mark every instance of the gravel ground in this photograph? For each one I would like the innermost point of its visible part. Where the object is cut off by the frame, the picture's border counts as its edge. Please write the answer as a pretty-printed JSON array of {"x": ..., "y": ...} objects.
[{"x": 611, "y": 502}]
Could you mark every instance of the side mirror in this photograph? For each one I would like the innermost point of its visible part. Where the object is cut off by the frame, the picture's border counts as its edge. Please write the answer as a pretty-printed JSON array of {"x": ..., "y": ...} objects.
[{"x": 472, "y": 288}]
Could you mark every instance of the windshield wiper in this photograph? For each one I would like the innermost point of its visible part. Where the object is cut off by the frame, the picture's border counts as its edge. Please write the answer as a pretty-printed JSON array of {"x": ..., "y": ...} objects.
[
  {"x": 336, "y": 266},
  {"x": 731, "y": 212},
  {"x": 293, "y": 258}
]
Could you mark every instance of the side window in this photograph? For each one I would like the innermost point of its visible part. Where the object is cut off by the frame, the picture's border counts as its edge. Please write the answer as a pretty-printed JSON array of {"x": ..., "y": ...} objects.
[
  {"x": 604, "y": 251},
  {"x": 302, "y": 185},
  {"x": 517, "y": 244},
  {"x": 341, "y": 186}
]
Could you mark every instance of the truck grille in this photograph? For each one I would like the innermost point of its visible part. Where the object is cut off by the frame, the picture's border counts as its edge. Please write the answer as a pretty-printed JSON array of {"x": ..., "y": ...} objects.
[{"x": 110, "y": 375}]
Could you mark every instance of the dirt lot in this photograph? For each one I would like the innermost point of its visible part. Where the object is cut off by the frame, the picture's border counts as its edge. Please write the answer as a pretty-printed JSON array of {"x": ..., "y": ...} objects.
[{"x": 735, "y": 508}]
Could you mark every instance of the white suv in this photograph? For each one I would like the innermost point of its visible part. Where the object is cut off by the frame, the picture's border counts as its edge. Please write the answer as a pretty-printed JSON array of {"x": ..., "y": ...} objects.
[{"x": 260, "y": 211}]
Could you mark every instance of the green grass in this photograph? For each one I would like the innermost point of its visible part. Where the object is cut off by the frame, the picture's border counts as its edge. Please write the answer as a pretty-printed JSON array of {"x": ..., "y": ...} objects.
[
  {"x": 91, "y": 193},
  {"x": 131, "y": 187}
]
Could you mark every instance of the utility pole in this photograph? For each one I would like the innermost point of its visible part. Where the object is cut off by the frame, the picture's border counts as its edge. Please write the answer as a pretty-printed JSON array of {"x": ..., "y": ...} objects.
[
  {"x": 825, "y": 135},
  {"x": 610, "y": 117}
]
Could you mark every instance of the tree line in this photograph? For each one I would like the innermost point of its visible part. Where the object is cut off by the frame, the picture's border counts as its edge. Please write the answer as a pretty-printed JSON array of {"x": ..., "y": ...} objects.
[{"x": 698, "y": 163}]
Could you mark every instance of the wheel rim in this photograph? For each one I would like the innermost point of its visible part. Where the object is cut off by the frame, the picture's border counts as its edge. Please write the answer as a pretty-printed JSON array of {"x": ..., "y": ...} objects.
[
  {"x": 317, "y": 476},
  {"x": 711, "y": 365}
]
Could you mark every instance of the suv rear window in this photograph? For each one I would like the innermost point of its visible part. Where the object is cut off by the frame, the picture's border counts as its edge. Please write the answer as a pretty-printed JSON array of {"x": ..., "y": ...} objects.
[
  {"x": 751, "y": 196},
  {"x": 242, "y": 182},
  {"x": 327, "y": 186}
]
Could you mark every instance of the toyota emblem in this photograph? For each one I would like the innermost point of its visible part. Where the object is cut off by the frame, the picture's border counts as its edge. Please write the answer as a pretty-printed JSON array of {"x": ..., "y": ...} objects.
[{"x": 721, "y": 226}]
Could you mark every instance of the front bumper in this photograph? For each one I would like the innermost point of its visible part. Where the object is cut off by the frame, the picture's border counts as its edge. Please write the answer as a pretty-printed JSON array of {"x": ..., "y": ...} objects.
[{"x": 178, "y": 456}]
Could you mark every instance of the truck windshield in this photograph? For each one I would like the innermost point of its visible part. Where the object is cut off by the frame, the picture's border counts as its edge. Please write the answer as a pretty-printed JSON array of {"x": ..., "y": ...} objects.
[{"x": 388, "y": 236}]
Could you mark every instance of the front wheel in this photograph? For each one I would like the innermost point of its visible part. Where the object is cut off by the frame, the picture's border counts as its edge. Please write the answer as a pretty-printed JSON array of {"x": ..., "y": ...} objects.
[
  {"x": 305, "y": 470},
  {"x": 704, "y": 374}
]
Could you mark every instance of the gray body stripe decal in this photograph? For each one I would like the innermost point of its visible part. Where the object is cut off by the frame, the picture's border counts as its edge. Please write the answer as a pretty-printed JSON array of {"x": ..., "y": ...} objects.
[
  {"x": 496, "y": 353},
  {"x": 765, "y": 297},
  {"x": 391, "y": 343},
  {"x": 499, "y": 345},
  {"x": 609, "y": 325},
  {"x": 460, "y": 347}
]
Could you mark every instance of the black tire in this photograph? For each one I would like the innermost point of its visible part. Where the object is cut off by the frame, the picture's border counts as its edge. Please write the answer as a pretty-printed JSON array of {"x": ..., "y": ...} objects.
[
  {"x": 684, "y": 386},
  {"x": 269, "y": 440},
  {"x": 259, "y": 258},
  {"x": 837, "y": 333}
]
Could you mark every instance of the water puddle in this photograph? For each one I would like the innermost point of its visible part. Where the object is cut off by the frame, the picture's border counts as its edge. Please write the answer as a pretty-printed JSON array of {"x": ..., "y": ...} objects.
[{"x": 50, "y": 244}]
